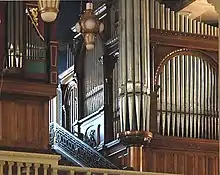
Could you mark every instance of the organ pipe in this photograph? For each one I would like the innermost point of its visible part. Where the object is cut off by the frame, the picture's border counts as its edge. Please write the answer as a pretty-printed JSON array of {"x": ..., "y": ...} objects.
[
  {"x": 163, "y": 18},
  {"x": 182, "y": 111},
  {"x": 194, "y": 99},
  {"x": 134, "y": 84}
]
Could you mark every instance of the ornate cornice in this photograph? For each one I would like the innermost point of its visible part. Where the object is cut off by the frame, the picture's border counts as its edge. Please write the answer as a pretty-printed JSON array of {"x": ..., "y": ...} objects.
[{"x": 185, "y": 40}]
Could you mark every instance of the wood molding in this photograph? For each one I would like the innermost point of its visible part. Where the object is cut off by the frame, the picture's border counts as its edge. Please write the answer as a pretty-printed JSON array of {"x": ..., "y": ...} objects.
[
  {"x": 184, "y": 144},
  {"x": 186, "y": 40},
  {"x": 12, "y": 86}
]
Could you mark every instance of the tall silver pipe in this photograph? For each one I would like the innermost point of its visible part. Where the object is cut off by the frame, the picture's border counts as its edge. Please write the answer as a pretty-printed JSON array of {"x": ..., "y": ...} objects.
[
  {"x": 215, "y": 31},
  {"x": 177, "y": 22},
  {"x": 198, "y": 27},
  {"x": 130, "y": 61},
  {"x": 172, "y": 20},
  {"x": 186, "y": 24},
  {"x": 200, "y": 117},
  {"x": 212, "y": 31},
  {"x": 167, "y": 21},
  {"x": 157, "y": 15},
  {"x": 209, "y": 30},
  {"x": 190, "y": 25},
  {"x": 174, "y": 92},
  {"x": 168, "y": 98},
  {"x": 137, "y": 61},
  {"x": 182, "y": 23},
  {"x": 205, "y": 29},
  {"x": 152, "y": 13},
  {"x": 178, "y": 97},
  {"x": 182, "y": 108},
  {"x": 145, "y": 55},
  {"x": 202, "y": 28},
  {"x": 123, "y": 64},
  {"x": 162, "y": 17},
  {"x": 187, "y": 97},
  {"x": 194, "y": 26}
]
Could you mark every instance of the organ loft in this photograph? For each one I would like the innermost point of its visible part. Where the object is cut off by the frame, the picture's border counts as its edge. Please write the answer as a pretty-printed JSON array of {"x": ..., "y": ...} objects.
[{"x": 109, "y": 87}]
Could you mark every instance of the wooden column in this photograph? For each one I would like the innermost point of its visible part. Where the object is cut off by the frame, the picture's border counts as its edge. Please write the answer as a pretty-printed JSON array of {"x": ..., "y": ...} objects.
[{"x": 108, "y": 100}]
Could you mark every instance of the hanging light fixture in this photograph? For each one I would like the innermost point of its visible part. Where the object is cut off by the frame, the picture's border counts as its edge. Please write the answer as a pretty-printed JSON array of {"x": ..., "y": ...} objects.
[
  {"x": 48, "y": 9},
  {"x": 89, "y": 26}
]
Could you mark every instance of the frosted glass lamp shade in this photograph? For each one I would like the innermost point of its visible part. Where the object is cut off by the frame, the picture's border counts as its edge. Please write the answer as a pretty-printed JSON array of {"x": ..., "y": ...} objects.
[
  {"x": 49, "y": 16},
  {"x": 90, "y": 24},
  {"x": 90, "y": 46},
  {"x": 48, "y": 9},
  {"x": 101, "y": 27},
  {"x": 78, "y": 27}
]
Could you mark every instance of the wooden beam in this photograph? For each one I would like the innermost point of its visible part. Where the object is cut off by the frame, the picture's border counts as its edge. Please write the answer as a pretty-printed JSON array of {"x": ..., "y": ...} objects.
[{"x": 11, "y": 86}]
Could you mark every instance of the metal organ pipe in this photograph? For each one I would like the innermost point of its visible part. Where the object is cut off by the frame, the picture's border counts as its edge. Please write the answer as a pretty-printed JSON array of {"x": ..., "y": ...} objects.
[
  {"x": 135, "y": 64},
  {"x": 182, "y": 111}
]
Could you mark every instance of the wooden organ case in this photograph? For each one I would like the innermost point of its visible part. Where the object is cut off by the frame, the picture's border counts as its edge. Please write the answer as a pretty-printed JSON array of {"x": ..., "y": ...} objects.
[
  {"x": 184, "y": 114},
  {"x": 28, "y": 77}
]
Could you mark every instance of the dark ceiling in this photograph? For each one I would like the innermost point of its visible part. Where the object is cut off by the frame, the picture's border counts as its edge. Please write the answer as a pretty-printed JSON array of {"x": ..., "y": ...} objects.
[{"x": 68, "y": 16}]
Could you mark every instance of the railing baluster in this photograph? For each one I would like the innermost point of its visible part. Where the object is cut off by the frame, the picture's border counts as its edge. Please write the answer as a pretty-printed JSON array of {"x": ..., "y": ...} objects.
[
  {"x": 19, "y": 166},
  {"x": 45, "y": 167},
  {"x": 2, "y": 163},
  {"x": 55, "y": 172},
  {"x": 10, "y": 165},
  {"x": 27, "y": 168},
  {"x": 72, "y": 172},
  {"x": 36, "y": 167}
]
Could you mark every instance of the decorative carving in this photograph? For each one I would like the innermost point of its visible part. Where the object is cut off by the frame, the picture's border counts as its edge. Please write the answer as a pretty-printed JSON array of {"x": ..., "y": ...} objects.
[
  {"x": 87, "y": 156},
  {"x": 135, "y": 137},
  {"x": 89, "y": 138},
  {"x": 34, "y": 15}
]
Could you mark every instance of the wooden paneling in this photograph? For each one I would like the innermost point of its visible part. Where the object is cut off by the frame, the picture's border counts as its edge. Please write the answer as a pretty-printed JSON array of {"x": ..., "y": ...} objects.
[
  {"x": 187, "y": 163},
  {"x": 24, "y": 124},
  {"x": 183, "y": 156},
  {"x": 175, "y": 155}
]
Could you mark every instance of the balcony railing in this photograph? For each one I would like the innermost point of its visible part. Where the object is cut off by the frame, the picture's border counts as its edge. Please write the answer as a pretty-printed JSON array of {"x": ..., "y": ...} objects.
[{"x": 19, "y": 163}]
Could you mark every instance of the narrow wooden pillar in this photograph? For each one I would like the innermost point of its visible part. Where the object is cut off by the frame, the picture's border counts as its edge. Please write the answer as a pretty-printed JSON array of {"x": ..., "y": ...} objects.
[{"x": 135, "y": 141}]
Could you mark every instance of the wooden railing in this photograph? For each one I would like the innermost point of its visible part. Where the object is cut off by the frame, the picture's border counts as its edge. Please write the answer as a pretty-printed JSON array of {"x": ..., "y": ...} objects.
[{"x": 19, "y": 163}]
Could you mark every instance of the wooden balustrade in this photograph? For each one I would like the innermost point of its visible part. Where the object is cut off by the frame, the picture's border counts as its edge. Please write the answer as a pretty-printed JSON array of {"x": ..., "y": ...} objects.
[{"x": 18, "y": 163}]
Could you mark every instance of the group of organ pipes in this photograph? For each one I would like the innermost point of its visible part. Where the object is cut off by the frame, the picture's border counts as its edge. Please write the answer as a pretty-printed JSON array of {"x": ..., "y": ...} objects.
[
  {"x": 187, "y": 105},
  {"x": 24, "y": 41},
  {"x": 188, "y": 96},
  {"x": 188, "y": 93}
]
